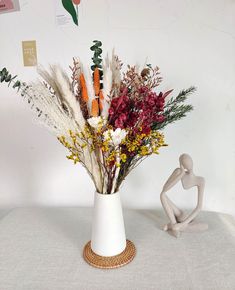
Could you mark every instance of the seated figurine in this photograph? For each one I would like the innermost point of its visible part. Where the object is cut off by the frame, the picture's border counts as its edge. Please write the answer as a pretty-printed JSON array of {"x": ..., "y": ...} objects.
[{"x": 179, "y": 221}]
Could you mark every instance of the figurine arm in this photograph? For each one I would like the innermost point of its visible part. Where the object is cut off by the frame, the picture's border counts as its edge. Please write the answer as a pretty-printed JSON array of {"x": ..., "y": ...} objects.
[
  {"x": 176, "y": 176},
  {"x": 166, "y": 203},
  {"x": 198, "y": 208}
]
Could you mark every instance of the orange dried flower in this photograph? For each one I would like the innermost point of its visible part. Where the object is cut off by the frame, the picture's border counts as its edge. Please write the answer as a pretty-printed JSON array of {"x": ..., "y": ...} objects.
[
  {"x": 100, "y": 106},
  {"x": 97, "y": 81},
  {"x": 101, "y": 95},
  {"x": 84, "y": 88},
  {"x": 101, "y": 98},
  {"x": 94, "y": 108}
]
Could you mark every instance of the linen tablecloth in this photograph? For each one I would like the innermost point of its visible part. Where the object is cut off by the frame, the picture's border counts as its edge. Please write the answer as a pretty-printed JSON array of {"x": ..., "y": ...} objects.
[{"x": 41, "y": 249}]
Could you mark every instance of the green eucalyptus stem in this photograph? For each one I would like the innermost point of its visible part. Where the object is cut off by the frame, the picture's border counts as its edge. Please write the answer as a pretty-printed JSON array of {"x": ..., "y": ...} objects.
[
  {"x": 6, "y": 77},
  {"x": 97, "y": 59},
  {"x": 21, "y": 87}
]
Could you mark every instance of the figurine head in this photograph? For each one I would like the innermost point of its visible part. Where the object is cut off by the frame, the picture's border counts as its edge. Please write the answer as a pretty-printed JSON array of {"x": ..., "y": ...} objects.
[{"x": 186, "y": 161}]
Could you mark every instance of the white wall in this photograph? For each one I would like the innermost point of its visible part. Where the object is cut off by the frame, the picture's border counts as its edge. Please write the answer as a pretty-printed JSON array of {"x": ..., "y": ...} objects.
[{"x": 193, "y": 42}]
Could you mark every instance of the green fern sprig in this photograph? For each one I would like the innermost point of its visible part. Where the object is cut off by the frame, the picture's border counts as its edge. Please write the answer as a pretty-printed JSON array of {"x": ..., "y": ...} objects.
[
  {"x": 175, "y": 110},
  {"x": 182, "y": 96}
]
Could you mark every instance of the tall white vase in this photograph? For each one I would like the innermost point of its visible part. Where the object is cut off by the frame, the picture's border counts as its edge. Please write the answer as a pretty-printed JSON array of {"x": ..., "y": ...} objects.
[{"x": 108, "y": 236}]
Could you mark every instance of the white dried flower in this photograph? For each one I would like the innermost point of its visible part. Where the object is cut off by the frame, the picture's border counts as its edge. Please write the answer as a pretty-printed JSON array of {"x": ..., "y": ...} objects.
[
  {"x": 96, "y": 122},
  {"x": 116, "y": 137}
]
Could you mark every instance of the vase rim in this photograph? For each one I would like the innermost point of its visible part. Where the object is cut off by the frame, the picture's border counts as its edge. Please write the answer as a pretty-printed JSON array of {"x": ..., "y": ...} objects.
[{"x": 106, "y": 193}]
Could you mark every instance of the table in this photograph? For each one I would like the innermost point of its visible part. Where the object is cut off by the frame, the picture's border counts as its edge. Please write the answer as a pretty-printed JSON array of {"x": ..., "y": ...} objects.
[{"x": 41, "y": 249}]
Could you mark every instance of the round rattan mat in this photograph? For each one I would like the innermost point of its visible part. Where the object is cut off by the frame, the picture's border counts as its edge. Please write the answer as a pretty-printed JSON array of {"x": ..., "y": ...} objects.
[{"x": 109, "y": 262}]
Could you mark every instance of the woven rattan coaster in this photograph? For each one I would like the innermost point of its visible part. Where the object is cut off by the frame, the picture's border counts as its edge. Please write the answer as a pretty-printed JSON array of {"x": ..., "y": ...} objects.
[{"x": 109, "y": 262}]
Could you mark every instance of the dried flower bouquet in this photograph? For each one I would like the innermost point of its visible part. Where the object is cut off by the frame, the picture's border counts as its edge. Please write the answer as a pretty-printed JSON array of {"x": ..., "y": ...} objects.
[{"x": 108, "y": 120}]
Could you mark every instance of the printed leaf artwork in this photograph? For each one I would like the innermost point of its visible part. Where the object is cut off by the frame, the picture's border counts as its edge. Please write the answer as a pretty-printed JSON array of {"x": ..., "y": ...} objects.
[{"x": 69, "y": 6}]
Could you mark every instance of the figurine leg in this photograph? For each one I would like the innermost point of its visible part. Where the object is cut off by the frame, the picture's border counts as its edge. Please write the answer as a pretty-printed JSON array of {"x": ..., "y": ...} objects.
[
  {"x": 168, "y": 228},
  {"x": 168, "y": 209},
  {"x": 176, "y": 234},
  {"x": 171, "y": 232},
  {"x": 195, "y": 227},
  {"x": 180, "y": 216}
]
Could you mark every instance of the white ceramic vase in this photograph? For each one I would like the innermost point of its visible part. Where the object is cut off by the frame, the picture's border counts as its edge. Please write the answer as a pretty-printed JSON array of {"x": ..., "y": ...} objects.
[{"x": 108, "y": 236}]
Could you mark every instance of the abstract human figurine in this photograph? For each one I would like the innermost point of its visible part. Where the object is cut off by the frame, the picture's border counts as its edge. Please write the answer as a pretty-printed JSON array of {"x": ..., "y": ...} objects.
[{"x": 179, "y": 221}]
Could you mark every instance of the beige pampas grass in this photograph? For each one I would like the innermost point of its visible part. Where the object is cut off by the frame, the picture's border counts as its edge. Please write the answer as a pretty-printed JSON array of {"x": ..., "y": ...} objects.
[
  {"x": 107, "y": 86},
  {"x": 48, "y": 109},
  {"x": 68, "y": 115},
  {"x": 116, "y": 66},
  {"x": 60, "y": 83}
]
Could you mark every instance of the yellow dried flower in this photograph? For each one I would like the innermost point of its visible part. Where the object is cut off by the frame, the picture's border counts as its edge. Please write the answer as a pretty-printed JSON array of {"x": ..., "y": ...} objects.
[
  {"x": 117, "y": 164},
  {"x": 123, "y": 157},
  {"x": 144, "y": 150},
  {"x": 73, "y": 157}
]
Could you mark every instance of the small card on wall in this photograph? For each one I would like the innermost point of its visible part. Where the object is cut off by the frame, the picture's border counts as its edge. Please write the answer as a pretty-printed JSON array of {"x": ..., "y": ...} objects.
[
  {"x": 9, "y": 6},
  {"x": 29, "y": 53}
]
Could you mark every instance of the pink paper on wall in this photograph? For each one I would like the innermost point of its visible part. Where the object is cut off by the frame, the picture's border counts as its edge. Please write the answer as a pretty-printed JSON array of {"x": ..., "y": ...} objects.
[
  {"x": 6, "y": 5},
  {"x": 9, "y": 6}
]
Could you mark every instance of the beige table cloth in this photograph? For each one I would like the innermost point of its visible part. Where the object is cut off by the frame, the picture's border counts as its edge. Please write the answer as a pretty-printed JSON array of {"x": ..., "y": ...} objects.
[{"x": 41, "y": 249}]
